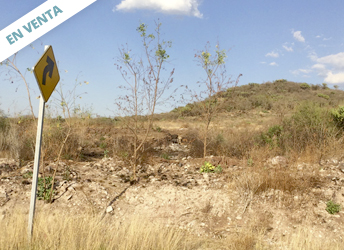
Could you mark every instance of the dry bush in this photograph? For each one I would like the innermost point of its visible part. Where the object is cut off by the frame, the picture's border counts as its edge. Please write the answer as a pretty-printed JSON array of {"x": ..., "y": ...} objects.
[
  {"x": 287, "y": 181},
  {"x": 237, "y": 144},
  {"x": 228, "y": 142},
  {"x": 122, "y": 146},
  {"x": 195, "y": 143},
  {"x": 85, "y": 231},
  {"x": 17, "y": 139},
  {"x": 54, "y": 133},
  {"x": 309, "y": 133},
  {"x": 306, "y": 240}
]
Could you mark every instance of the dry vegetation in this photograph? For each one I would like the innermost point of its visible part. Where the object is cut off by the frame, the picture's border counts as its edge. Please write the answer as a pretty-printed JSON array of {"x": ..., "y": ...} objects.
[{"x": 293, "y": 121}]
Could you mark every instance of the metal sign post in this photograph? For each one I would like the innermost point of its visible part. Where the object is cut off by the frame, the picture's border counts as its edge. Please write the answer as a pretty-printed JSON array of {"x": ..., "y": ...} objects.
[
  {"x": 36, "y": 165},
  {"x": 47, "y": 77}
]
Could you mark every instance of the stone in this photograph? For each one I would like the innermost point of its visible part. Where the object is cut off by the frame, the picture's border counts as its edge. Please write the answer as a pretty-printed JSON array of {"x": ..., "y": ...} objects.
[
  {"x": 278, "y": 160},
  {"x": 109, "y": 209},
  {"x": 3, "y": 194}
]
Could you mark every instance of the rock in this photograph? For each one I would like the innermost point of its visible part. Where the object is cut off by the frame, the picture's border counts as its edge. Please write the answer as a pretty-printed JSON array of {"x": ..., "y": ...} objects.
[
  {"x": 278, "y": 161},
  {"x": 109, "y": 209},
  {"x": 3, "y": 194},
  {"x": 206, "y": 177}
]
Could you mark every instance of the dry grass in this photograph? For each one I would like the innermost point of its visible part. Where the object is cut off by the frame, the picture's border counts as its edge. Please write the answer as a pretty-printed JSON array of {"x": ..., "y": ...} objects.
[
  {"x": 308, "y": 240},
  {"x": 87, "y": 232}
]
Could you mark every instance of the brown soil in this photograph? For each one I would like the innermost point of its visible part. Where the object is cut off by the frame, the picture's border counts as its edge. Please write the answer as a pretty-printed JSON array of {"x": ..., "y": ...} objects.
[{"x": 277, "y": 198}]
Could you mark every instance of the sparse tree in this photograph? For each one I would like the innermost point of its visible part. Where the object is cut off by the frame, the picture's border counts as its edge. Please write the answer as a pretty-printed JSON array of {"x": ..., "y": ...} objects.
[
  {"x": 144, "y": 87},
  {"x": 12, "y": 71},
  {"x": 216, "y": 81}
]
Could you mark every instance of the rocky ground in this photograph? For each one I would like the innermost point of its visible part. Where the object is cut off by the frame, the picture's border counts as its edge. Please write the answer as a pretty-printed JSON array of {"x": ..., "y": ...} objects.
[{"x": 206, "y": 204}]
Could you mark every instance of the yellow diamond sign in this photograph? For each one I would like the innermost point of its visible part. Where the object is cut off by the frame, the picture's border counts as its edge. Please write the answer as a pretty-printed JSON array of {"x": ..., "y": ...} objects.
[{"x": 46, "y": 73}]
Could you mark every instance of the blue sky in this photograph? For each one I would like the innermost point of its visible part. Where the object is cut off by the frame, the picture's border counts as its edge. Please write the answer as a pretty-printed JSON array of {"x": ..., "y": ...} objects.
[{"x": 301, "y": 41}]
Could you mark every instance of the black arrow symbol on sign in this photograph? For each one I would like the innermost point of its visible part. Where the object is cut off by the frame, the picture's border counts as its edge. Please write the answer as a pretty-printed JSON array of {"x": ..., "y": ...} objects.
[{"x": 48, "y": 69}]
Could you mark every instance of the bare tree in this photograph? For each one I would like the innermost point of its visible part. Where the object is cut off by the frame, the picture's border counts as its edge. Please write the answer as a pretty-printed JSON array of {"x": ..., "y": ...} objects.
[
  {"x": 215, "y": 82},
  {"x": 12, "y": 67},
  {"x": 144, "y": 87}
]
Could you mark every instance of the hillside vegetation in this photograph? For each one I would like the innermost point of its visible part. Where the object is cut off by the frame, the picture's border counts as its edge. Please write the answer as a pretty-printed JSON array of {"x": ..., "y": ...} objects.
[
  {"x": 278, "y": 96},
  {"x": 257, "y": 120},
  {"x": 272, "y": 178}
]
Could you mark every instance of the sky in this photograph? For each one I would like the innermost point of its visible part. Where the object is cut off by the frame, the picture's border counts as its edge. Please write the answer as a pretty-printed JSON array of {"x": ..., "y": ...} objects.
[{"x": 266, "y": 40}]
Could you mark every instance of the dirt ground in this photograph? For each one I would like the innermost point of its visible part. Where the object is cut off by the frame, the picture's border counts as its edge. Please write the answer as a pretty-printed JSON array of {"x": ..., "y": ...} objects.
[{"x": 176, "y": 193}]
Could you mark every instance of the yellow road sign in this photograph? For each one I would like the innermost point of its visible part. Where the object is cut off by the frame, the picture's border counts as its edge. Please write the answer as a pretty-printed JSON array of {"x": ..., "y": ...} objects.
[{"x": 46, "y": 73}]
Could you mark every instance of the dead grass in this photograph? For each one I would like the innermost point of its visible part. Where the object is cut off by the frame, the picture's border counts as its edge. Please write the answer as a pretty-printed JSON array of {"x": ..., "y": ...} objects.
[
  {"x": 86, "y": 231},
  {"x": 57, "y": 231},
  {"x": 308, "y": 240}
]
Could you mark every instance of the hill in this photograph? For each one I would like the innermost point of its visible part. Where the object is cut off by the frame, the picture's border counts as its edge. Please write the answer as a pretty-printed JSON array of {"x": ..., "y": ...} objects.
[{"x": 273, "y": 177}]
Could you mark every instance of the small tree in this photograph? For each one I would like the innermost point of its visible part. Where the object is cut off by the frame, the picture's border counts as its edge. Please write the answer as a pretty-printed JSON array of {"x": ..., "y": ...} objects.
[
  {"x": 215, "y": 82},
  {"x": 144, "y": 87},
  {"x": 12, "y": 72}
]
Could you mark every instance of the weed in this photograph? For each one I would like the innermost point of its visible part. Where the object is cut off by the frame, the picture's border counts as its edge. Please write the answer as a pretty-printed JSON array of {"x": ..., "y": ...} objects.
[
  {"x": 44, "y": 186},
  {"x": 332, "y": 208},
  {"x": 272, "y": 137},
  {"x": 106, "y": 153},
  {"x": 67, "y": 174},
  {"x": 165, "y": 156},
  {"x": 207, "y": 167},
  {"x": 102, "y": 144},
  {"x": 27, "y": 175},
  {"x": 249, "y": 162},
  {"x": 158, "y": 129}
]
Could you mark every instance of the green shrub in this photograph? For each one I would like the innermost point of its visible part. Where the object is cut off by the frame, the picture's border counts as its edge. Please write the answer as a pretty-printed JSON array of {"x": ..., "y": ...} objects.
[
  {"x": 316, "y": 87},
  {"x": 43, "y": 188},
  {"x": 272, "y": 137},
  {"x": 304, "y": 86},
  {"x": 338, "y": 116},
  {"x": 165, "y": 156},
  {"x": 280, "y": 81},
  {"x": 332, "y": 208},
  {"x": 323, "y": 96},
  {"x": 309, "y": 125},
  {"x": 324, "y": 86}
]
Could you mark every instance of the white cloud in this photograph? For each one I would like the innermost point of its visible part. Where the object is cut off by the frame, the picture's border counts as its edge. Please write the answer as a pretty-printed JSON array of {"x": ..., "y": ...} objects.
[
  {"x": 297, "y": 35},
  {"x": 319, "y": 67},
  {"x": 272, "y": 54},
  {"x": 335, "y": 75},
  {"x": 289, "y": 49},
  {"x": 334, "y": 78},
  {"x": 335, "y": 60},
  {"x": 273, "y": 64},
  {"x": 179, "y": 7},
  {"x": 303, "y": 71}
]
